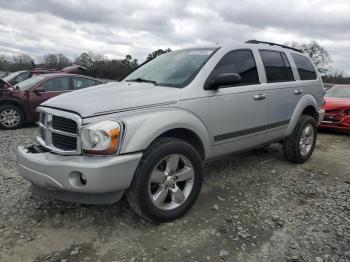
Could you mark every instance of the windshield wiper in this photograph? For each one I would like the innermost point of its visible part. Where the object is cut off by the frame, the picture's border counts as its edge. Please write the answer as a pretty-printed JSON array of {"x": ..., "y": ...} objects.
[{"x": 139, "y": 79}]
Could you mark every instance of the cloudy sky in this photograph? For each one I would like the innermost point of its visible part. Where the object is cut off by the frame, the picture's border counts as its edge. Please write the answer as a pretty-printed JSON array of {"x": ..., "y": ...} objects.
[{"x": 115, "y": 28}]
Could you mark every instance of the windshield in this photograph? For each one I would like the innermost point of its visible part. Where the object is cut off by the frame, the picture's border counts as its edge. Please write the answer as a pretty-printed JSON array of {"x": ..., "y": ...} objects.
[
  {"x": 339, "y": 92},
  {"x": 11, "y": 76},
  {"x": 175, "y": 69},
  {"x": 26, "y": 84}
]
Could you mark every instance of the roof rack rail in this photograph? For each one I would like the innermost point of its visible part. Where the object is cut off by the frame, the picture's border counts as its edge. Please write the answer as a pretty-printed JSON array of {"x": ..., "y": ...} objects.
[{"x": 273, "y": 44}]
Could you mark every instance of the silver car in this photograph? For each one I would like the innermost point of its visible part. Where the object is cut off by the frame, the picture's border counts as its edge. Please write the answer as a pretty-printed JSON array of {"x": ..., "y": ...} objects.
[{"x": 148, "y": 135}]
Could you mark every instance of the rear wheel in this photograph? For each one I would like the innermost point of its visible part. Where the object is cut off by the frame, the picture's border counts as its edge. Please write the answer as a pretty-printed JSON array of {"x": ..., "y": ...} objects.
[
  {"x": 167, "y": 181},
  {"x": 11, "y": 117},
  {"x": 299, "y": 146}
]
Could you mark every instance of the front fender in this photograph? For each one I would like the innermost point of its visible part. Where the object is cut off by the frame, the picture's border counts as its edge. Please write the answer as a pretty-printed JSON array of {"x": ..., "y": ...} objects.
[
  {"x": 143, "y": 128},
  {"x": 304, "y": 102}
]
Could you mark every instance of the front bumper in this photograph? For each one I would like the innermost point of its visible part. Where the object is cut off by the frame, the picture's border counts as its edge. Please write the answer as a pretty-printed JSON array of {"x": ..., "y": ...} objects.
[
  {"x": 105, "y": 178},
  {"x": 321, "y": 113},
  {"x": 340, "y": 123}
]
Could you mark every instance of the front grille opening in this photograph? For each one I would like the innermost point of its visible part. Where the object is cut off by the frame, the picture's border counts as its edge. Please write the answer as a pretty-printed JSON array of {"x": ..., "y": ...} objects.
[
  {"x": 42, "y": 118},
  {"x": 64, "y": 124},
  {"x": 64, "y": 142},
  {"x": 42, "y": 132}
]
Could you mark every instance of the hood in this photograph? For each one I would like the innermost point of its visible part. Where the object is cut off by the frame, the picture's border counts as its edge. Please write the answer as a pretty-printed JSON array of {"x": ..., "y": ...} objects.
[
  {"x": 114, "y": 97},
  {"x": 5, "y": 86},
  {"x": 333, "y": 103}
]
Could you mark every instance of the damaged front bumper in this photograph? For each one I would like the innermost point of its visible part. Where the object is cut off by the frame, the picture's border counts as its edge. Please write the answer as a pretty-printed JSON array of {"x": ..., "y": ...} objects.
[{"x": 83, "y": 179}]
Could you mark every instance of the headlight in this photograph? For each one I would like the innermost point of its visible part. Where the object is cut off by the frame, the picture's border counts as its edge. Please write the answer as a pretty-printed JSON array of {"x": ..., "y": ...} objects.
[{"x": 101, "y": 138}]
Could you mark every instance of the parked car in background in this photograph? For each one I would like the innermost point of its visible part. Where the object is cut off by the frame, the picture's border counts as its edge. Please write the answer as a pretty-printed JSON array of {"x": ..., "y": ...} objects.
[
  {"x": 156, "y": 126},
  {"x": 18, "y": 103},
  {"x": 337, "y": 108},
  {"x": 19, "y": 76},
  {"x": 3, "y": 74}
]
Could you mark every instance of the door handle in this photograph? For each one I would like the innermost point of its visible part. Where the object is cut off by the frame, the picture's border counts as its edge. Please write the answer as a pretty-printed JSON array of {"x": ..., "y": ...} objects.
[
  {"x": 260, "y": 97},
  {"x": 298, "y": 91}
]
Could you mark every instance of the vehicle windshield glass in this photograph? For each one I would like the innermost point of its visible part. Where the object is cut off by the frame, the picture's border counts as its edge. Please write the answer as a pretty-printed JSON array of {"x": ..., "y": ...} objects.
[
  {"x": 175, "y": 69},
  {"x": 26, "y": 84},
  {"x": 11, "y": 76},
  {"x": 339, "y": 92}
]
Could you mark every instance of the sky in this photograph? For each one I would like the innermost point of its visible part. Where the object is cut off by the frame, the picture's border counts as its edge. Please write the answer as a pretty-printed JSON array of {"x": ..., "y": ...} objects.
[{"x": 116, "y": 28}]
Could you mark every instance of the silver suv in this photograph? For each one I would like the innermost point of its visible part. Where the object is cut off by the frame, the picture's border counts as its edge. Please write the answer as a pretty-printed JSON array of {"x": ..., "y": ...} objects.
[{"x": 148, "y": 135}]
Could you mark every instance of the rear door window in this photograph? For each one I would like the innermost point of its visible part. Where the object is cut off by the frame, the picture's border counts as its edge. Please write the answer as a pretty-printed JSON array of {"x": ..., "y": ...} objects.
[
  {"x": 277, "y": 66},
  {"x": 305, "y": 68},
  {"x": 57, "y": 84}
]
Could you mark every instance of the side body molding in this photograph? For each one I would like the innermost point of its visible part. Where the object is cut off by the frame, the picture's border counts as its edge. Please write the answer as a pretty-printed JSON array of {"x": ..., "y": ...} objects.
[
  {"x": 143, "y": 128},
  {"x": 305, "y": 101}
]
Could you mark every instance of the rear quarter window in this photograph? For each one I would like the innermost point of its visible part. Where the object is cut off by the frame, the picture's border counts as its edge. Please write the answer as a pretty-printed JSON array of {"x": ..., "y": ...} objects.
[{"x": 305, "y": 68}]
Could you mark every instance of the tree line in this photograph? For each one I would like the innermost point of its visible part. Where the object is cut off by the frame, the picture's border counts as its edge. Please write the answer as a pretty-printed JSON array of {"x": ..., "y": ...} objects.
[
  {"x": 100, "y": 66},
  {"x": 97, "y": 65}
]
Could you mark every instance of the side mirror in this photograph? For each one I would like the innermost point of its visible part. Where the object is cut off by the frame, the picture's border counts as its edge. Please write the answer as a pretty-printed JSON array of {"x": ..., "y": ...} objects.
[
  {"x": 224, "y": 80},
  {"x": 39, "y": 90}
]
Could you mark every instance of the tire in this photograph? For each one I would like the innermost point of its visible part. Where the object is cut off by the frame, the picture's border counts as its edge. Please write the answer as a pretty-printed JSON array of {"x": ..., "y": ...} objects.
[
  {"x": 11, "y": 117},
  {"x": 298, "y": 147},
  {"x": 156, "y": 177}
]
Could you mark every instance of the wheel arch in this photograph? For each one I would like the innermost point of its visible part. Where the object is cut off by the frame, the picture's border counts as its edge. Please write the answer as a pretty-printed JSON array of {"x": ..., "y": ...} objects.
[
  {"x": 143, "y": 129},
  {"x": 15, "y": 103},
  {"x": 307, "y": 105}
]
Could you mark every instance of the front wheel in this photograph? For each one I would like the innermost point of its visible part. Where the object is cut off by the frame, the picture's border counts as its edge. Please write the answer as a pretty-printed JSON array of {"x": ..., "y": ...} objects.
[
  {"x": 298, "y": 147},
  {"x": 167, "y": 180},
  {"x": 11, "y": 117}
]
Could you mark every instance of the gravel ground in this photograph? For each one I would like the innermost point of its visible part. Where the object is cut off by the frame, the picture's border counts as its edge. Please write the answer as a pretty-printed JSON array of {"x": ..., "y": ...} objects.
[{"x": 253, "y": 207}]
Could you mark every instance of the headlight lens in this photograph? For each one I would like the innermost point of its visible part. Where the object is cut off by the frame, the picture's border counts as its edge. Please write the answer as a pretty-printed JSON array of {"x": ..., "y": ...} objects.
[{"x": 101, "y": 138}]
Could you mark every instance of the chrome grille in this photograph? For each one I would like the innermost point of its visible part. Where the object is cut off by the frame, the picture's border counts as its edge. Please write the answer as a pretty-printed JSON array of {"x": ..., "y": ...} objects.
[
  {"x": 59, "y": 131},
  {"x": 64, "y": 142},
  {"x": 64, "y": 124}
]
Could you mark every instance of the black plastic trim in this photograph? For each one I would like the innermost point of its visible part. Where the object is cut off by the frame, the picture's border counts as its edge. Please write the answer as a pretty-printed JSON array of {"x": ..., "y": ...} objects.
[{"x": 249, "y": 131}]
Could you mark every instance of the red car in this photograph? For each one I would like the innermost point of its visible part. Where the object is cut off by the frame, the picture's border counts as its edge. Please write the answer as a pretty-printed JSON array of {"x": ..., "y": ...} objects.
[
  {"x": 19, "y": 76},
  {"x": 18, "y": 103},
  {"x": 337, "y": 108}
]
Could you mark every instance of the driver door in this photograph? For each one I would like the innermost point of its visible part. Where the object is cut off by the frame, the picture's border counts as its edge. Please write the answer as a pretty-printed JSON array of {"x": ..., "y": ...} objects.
[
  {"x": 239, "y": 112},
  {"x": 50, "y": 88}
]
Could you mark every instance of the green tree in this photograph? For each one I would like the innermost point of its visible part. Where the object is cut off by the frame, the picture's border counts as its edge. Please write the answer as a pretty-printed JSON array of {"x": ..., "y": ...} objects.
[
  {"x": 129, "y": 61},
  {"x": 55, "y": 61},
  {"x": 317, "y": 53},
  {"x": 156, "y": 53},
  {"x": 84, "y": 59}
]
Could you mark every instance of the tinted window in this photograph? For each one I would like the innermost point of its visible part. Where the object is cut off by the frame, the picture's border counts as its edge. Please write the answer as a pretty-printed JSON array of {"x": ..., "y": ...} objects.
[
  {"x": 277, "y": 67},
  {"x": 305, "y": 68},
  {"x": 79, "y": 83},
  {"x": 57, "y": 84},
  {"x": 241, "y": 62}
]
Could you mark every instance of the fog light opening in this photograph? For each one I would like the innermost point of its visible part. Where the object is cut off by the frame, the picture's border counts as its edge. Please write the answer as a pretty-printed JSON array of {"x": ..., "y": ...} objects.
[
  {"x": 83, "y": 179},
  {"x": 77, "y": 179}
]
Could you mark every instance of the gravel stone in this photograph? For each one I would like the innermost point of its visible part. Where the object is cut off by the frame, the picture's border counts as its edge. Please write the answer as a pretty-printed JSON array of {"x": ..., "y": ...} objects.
[{"x": 270, "y": 210}]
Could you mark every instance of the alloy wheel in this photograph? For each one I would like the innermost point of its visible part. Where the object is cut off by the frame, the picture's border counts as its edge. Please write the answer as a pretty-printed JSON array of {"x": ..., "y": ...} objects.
[
  {"x": 306, "y": 139},
  {"x": 171, "y": 182},
  {"x": 10, "y": 118}
]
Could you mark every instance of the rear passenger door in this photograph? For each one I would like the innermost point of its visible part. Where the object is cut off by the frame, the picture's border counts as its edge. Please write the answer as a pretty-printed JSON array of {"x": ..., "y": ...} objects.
[
  {"x": 281, "y": 86},
  {"x": 239, "y": 112}
]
